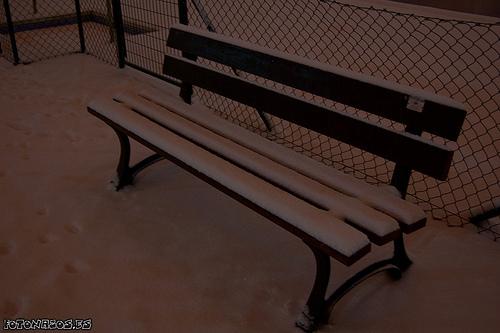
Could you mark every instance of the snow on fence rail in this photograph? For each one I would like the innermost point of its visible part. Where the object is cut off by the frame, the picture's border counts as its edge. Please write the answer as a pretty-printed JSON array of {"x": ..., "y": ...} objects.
[{"x": 458, "y": 58}]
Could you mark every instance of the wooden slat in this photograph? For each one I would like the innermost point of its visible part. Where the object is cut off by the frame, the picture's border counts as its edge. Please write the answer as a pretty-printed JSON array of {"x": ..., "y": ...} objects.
[
  {"x": 440, "y": 116},
  {"x": 399, "y": 147}
]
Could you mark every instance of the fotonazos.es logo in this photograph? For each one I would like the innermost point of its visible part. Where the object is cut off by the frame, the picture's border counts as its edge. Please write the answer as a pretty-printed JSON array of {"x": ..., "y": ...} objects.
[{"x": 47, "y": 324}]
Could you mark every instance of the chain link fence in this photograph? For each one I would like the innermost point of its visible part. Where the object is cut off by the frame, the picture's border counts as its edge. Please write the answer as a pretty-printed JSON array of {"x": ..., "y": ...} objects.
[
  {"x": 55, "y": 24},
  {"x": 455, "y": 58},
  {"x": 146, "y": 43},
  {"x": 44, "y": 29},
  {"x": 98, "y": 26}
]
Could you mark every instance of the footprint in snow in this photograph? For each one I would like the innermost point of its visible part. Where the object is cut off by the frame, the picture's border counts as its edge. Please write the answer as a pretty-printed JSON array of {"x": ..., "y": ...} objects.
[
  {"x": 7, "y": 248},
  {"x": 47, "y": 238},
  {"x": 76, "y": 267},
  {"x": 73, "y": 228},
  {"x": 42, "y": 211},
  {"x": 11, "y": 308}
]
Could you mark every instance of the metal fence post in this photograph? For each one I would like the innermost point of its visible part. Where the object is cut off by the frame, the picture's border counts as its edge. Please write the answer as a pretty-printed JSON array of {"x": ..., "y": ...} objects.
[
  {"x": 80, "y": 25},
  {"x": 12, "y": 34},
  {"x": 186, "y": 92},
  {"x": 120, "y": 33},
  {"x": 183, "y": 12}
]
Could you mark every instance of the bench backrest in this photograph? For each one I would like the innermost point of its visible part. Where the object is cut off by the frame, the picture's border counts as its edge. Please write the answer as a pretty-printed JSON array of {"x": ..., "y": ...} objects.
[{"x": 419, "y": 110}]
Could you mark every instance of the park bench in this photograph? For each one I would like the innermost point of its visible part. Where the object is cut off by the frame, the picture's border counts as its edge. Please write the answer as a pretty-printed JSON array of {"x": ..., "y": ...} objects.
[{"x": 335, "y": 214}]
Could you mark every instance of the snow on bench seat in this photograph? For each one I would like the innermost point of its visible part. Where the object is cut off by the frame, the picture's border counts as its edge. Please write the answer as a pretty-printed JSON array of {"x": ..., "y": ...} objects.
[
  {"x": 409, "y": 216},
  {"x": 381, "y": 227},
  {"x": 321, "y": 224}
]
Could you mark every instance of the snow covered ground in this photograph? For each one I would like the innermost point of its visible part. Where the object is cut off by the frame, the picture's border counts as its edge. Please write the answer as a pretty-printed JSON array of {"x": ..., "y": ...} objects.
[
  {"x": 453, "y": 58},
  {"x": 172, "y": 254}
]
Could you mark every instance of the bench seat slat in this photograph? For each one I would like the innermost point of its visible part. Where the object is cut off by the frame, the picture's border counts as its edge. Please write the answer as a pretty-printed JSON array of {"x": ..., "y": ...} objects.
[
  {"x": 410, "y": 216},
  {"x": 441, "y": 115},
  {"x": 320, "y": 224},
  {"x": 398, "y": 147},
  {"x": 380, "y": 227}
]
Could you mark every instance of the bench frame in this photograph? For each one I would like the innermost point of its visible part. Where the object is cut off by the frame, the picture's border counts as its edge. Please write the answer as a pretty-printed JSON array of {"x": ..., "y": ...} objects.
[
  {"x": 391, "y": 103},
  {"x": 319, "y": 306}
]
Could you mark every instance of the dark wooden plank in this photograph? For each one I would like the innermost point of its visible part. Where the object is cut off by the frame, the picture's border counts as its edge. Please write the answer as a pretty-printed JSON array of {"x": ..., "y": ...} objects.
[
  {"x": 346, "y": 260},
  {"x": 374, "y": 238},
  {"x": 401, "y": 148},
  {"x": 439, "y": 116},
  {"x": 408, "y": 229}
]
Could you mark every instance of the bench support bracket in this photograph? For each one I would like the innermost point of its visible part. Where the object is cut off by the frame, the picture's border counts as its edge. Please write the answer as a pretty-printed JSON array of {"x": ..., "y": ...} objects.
[
  {"x": 319, "y": 307},
  {"x": 125, "y": 174}
]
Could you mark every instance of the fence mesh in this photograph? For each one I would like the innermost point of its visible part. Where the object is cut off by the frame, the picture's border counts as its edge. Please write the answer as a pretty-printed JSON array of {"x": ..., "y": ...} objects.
[
  {"x": 98, "y": 26},
  {"x": 458, "y": 59},
  {"x": 146, "y": 25},
  {"x": 454, "y": 58},
  {"x": 53, "y": 22}
]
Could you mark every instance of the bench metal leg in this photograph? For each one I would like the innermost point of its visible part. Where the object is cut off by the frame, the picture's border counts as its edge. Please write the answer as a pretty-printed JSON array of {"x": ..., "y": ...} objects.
[
  {"x": 126, "y": 174},
  {"x": 123, "y": 176},
  {"x": 319, "y": 307},
  {"x": 400, "y": 258},
  {"x": 315, "y": 313}
]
